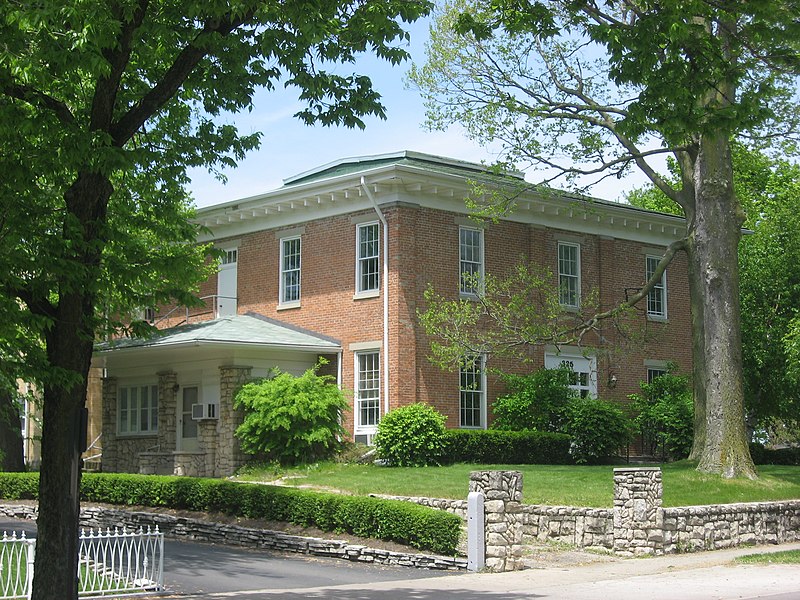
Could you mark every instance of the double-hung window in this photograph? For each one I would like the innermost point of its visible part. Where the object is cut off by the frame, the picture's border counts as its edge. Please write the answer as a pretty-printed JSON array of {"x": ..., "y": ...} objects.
[
  {"x": 368, "y": 389},
  {"x": 472, "y": 393},
  {"x": 657, "y": 298},
  {"x": 470, "y": 243},
  {"x": 654, "y": 373},
  {"x": 290, "y": 270},
  {"x": 569, "y": 274},
  {"x": 367, "y": 258},
  {"x": 137, "y": 409}
]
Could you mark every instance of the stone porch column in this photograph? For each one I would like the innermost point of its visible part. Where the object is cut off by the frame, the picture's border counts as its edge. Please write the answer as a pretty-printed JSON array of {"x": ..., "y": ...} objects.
[
  {"x": 109, "y": 426},
  {"x": 229, "y": 455}
]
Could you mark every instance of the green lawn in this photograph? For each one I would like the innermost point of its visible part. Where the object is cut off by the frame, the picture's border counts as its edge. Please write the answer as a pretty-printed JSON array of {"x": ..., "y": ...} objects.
[
  {"x": 786, "y": 557},
  {"x": 543, "y": 484}
]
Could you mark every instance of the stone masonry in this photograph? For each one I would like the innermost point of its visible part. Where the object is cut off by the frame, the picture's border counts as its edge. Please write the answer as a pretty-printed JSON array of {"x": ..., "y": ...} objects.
[
  {"x": 638, "y": 516},
  {"x": 502, "y": 491}
]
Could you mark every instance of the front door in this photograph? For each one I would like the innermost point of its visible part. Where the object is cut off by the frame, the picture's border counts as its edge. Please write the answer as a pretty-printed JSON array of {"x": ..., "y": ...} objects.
[{"x": 187, "y": 427}]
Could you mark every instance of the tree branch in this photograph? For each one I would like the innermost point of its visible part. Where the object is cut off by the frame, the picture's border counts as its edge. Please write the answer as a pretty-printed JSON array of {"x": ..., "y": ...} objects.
[
  {"x": 37, "y": 99},
  {"x": 173, "y": 78}
]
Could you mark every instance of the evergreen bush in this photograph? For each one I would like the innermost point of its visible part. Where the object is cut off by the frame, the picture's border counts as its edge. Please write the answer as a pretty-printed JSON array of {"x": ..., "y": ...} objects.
[
  {"x": 598, "y": 428},
  {"x": 507, "y": 447},
  {"x": 418, "y": 526},
  {"x": 411, "y": 436}
]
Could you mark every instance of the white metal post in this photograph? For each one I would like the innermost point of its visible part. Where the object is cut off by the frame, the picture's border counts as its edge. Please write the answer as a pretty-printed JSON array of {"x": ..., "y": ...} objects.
[{"x": 476, "y": 532}]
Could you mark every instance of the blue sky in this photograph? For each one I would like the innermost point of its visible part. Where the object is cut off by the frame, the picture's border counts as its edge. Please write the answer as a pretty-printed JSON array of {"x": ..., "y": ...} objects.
[{"x": 289, "y": 147}]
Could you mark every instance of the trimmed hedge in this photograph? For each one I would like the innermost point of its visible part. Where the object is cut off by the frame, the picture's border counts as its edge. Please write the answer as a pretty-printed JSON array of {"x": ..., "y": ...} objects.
[
  {"x": 493, "y": 446},
  {"x": 418, "y": 526},
  {"x": 783, "y": 456}
]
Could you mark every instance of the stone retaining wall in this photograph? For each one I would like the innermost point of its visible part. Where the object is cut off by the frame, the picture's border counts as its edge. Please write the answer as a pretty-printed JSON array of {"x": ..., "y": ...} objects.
[
  {"x": 639, "y": 525},
  {"x": 234, "y": 535}
]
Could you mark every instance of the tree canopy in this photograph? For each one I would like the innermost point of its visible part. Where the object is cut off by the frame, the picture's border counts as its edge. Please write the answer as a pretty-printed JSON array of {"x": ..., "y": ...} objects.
[
  {"x": 584, "y": 91},
  {"x": 103, "y": 107}
]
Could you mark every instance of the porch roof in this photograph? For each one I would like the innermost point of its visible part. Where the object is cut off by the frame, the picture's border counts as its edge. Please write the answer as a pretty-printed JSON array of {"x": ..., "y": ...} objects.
[{"x": 251, "y": 330}]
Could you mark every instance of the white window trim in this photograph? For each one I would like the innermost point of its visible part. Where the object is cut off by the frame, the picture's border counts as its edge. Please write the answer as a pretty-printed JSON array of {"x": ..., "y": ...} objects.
[
  {"x": 282, "y": 302},
  {"x": 483, "y": 411},
  {"x": 136, "y": 384},
  {"x": 656, "y": 316},
  {"x": 371, "y": 292},
  {"x": 481, "y": 258},
  {"x": 554, "y": 357},
  {"x": 358, "y": 427},
  {"x": 577, "y": 277}
]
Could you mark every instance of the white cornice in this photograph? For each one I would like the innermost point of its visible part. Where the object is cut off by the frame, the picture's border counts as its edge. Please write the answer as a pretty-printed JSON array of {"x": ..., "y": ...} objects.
[{"x": 417, "y": 185}]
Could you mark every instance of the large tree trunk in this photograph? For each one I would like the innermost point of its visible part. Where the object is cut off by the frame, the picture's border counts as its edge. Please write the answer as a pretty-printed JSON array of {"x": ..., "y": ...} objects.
[
  {"x": 698, "y": 364},
  {"x": 11, "y": 449},
  {"x": 69, "y": 350},
  {"x": 715, "y": 230}
]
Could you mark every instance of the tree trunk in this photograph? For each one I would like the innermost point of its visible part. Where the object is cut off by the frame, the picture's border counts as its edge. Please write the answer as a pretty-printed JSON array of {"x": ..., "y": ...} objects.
[
  {"x": 715, "y": 230},
  {"x": 69, "y": 350},
  {"x": 698, "y": 364},
  {"x": 11, "y": 442}
]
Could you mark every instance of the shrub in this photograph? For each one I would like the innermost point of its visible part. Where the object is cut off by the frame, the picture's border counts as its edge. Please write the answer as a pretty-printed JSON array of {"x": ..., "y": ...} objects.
[
  {"x": 411, "y": 436},
  {"x": 536, "y": 401},
  {"x": 665, "y": 415},
  {"x": 507, "y": 447},
  {"x": 402, "y": 522},
  {"x": 291, "y": 419},
  {"x": 780, "y": 456},
  {"x": 599, "y": 429}
]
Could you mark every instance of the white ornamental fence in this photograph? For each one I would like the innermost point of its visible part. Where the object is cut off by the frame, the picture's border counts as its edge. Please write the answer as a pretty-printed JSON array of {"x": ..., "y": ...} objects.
[{"x": 111, "y": 564}]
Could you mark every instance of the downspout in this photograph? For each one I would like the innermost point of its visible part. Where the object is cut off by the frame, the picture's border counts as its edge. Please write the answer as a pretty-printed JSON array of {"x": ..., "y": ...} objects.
[{"x": 385, "y": 291}]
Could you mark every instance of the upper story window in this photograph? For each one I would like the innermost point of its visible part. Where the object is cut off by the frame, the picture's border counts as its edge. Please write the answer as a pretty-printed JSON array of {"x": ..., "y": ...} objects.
[
  {"x": 230, "y": 256},
  {"x": 367, "y": 258},
  {"x": 290, "y": 270},
  {"x": 569, "y": 274},
  {"x": 470, "y": 242},
  {"x": 472, "y": 393},
  {"x": 657, "y": 298},
  {"x": 137, "y": 409}
]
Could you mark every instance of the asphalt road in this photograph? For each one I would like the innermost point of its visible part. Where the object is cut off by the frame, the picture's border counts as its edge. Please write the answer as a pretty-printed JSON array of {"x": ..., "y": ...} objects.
[{"x": 192, "y": 568}]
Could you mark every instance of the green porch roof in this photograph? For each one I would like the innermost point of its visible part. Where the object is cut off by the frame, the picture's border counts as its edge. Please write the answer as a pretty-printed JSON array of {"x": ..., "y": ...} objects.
[{"x": 241, "y": 330}]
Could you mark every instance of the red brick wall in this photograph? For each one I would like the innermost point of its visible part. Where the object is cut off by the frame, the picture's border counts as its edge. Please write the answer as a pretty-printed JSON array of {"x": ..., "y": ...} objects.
[{"x": 423, "y": 250}]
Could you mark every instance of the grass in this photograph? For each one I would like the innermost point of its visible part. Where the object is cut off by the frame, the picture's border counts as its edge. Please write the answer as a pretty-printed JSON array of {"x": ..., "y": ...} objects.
[
  {"x": 591, "y": 486},
  {"x": 785, "y": 557}
]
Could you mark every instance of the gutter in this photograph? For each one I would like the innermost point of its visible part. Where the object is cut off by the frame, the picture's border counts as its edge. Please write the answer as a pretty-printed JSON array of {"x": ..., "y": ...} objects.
[{"x": 385, "y": 291}]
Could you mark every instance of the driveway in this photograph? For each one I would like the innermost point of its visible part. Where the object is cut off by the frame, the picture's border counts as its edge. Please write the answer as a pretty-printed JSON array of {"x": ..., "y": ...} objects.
[{"x": 192, "y": 568}]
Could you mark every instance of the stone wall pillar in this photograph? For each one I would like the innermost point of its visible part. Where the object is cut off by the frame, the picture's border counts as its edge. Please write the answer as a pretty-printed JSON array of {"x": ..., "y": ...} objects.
[
  {"x": 109, "y": 427},
  {"x": 229, "y": 456},
  {"x": 638, "y": 512},
  {"x": 208, "y": 437},
  {"x": 167, "y": 411},
  {"x": 502, "y": 491}
]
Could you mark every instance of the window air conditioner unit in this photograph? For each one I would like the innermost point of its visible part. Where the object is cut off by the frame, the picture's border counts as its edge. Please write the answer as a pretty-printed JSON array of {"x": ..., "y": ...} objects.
[
  {"x": 365, "y": 438},
  {"x": 204, "y": 411}
]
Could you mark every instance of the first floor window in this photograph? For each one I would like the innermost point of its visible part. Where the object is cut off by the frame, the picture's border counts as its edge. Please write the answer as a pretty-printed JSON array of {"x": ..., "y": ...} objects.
[
  {"x": 654, "y": 372},
  {"x": 657, "y": 298},
  {"x": 368, "y": 389},
  {"x": 583, "y": 371},
  {"x": 472, "y": 392},
  {"x": 290, "y": 270},
  {"x": 137, "y": 409}
]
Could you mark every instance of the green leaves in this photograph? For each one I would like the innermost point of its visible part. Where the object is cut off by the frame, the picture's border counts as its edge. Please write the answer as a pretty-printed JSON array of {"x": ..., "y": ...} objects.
[
  {"x": 291, "y": 419},
  {"x": 412, "y": 436}
]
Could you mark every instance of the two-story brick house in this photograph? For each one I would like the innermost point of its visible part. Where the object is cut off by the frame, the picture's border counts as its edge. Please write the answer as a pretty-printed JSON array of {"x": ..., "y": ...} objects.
[{"x": 335, "y": 263}]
